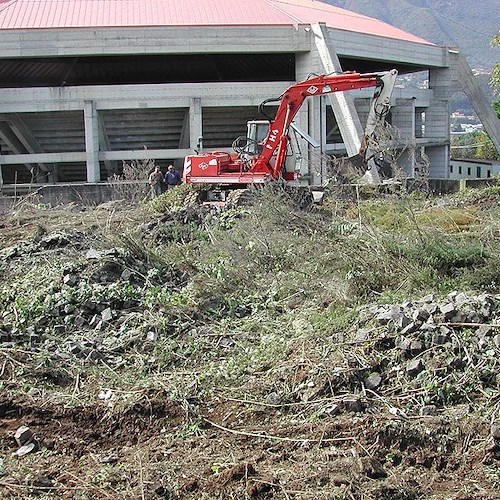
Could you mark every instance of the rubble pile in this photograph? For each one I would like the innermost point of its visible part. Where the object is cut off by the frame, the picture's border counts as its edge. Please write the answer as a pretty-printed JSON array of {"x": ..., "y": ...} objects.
[
  {"x": 92, "y": 310},
  {"x": 437, "y": 352}
]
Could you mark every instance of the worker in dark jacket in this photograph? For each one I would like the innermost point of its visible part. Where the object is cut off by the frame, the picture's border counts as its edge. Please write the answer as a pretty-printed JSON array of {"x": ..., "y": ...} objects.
[
  {"x": 155, "y": 178},
  {"x": 172, "y": 177}
]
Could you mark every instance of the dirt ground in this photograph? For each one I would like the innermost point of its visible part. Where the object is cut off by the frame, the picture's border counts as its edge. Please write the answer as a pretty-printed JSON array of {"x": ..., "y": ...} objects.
[
  {"x": 128, "y": 441},
  {"x": 140, "y": 453}
]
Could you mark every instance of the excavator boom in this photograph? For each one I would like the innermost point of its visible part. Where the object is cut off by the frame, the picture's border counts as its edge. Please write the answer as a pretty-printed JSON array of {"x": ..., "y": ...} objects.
[{"x": 238, "y": 169}]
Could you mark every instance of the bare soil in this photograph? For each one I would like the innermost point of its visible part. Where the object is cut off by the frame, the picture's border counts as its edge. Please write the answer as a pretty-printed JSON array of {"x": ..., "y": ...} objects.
[
  {"x": 144, "y": 443},
  {"x": 273, "y": 457}
]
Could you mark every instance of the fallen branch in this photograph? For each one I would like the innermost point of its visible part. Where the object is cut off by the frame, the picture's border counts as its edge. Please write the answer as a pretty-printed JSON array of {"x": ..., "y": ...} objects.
[
  {"x": 38, "y": 488},
  {"x": 278, "y": 438},
  {"x": 295, "y": 403}
]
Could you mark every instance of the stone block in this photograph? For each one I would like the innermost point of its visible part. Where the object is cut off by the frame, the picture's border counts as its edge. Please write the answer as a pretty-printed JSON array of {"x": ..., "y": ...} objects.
[
  {"x": 23, "y": 435},
  {"x": 414, "y": 367}
]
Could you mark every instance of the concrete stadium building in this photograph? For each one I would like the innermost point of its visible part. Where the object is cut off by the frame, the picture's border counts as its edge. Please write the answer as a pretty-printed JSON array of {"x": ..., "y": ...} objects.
[{"x": 87, "y": 84}]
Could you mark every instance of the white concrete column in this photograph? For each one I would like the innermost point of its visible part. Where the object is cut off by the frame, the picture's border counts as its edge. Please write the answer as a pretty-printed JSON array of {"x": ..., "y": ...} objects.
[
  {"x": 439, "y": 159},
  {"x": 91, "y": 141},
  {"x": 437, "y": 122},
  {"x": 311, "y": 119},
  {"x": 316, "y": 128},
  {"x": 403, "y": 119},
  {"x": 195, "y": 124}
]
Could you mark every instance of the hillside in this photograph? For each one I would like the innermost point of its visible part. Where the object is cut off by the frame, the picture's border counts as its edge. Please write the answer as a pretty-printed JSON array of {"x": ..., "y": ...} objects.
[
  {"x": 466, "y": 24},
  {"x": 347, "y": 350}
]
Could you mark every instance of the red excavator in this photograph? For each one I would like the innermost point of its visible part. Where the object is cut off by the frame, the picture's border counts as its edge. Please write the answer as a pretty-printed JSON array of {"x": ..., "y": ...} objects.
[{"x": 259, "y": 161}]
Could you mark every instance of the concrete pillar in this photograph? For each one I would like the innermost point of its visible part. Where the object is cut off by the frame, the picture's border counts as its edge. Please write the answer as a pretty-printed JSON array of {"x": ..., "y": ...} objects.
[
  {"x": 439, "y": 159},
  {"x": 437, "y": 121},
  {"x": 316, "y": 128},
  {"x": 311, "y": 119},
  {"x": 437, "y": 116},
  {"x": 195, "y": 124},
  {"x": 91, "y": 141},
  {"x": 403, "y": 119},
  {"x": 320, "y": 175}
]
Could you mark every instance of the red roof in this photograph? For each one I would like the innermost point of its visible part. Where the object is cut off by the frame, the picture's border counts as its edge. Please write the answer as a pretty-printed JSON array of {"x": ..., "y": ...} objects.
[{"x": 32, "y": 14}]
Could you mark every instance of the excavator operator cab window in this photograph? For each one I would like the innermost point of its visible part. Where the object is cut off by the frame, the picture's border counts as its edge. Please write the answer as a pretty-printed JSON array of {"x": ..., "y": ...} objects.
[{"x": 256, "y": 133}]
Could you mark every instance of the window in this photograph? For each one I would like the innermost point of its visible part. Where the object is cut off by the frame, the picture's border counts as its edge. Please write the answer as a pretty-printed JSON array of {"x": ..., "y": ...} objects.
[
  {"x": 460, "y": 170},
  {"x": 478, "y": 172},
  {"x": 488, "y": 173},
  {"x": 469, "y": 171},
  {"x": 451, "y": 168}
]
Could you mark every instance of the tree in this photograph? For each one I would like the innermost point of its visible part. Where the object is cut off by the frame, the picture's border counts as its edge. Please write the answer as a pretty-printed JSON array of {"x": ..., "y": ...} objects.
[
  {"x": 465, "y": 145},
  {"x": 485, "y": 148},
  {"x": 495, "y": 74},
  {"x": 496, "y": 107}
]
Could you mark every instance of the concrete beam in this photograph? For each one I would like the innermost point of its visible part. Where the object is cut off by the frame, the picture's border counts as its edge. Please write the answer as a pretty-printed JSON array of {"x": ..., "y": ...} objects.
[
  {"x": 9, "y": 137},
  {"x": 206, "y": 39},
  {"x": 378, "y": 48},
  {"x": 19, "y": 159},
  {"x": 153, "y": 40},
  {"x": 342, "y": 103},
  {"x": 109, "y": 97},
  {"x": 24, "y": 134},
  {"x": 81, "y": 156},
  {"x": 144, "y": 154},
  {"x": 30, "y": 145}
]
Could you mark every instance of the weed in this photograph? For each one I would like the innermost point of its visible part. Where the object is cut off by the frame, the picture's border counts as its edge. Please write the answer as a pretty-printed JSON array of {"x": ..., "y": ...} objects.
[
  {"x": 172, "y": 199},
  {"x": 451, "y": 220}
]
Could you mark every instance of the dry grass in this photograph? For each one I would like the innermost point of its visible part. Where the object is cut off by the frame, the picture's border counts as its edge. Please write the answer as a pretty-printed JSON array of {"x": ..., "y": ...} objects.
[{"x": 249, "y": 384}]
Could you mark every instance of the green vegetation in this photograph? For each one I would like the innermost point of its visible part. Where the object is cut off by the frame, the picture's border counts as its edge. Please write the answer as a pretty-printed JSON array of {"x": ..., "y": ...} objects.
[
  {"x": 495, "y": 74},
  {"x": 135, "y": 339}
]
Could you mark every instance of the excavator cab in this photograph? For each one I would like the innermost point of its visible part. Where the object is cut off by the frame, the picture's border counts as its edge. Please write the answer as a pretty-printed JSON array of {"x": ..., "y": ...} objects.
[
  {"x": 256, "y": 132},
  {"x": 252, "y": 143}
]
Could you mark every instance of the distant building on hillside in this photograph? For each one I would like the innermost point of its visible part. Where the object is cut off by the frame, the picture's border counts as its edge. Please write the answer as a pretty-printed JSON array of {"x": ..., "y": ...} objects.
[{"x": 473, "y": 169}]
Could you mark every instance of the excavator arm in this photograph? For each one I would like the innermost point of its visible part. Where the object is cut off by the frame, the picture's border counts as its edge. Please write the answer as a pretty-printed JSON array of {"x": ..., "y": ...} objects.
[
  {"x": 239, "y": 169},
  {"x": 275, "y": 144}
]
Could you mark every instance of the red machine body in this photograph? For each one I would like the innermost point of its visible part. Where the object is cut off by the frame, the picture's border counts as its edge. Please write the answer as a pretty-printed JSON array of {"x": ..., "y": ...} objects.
[{"x": 234, "y": 168}]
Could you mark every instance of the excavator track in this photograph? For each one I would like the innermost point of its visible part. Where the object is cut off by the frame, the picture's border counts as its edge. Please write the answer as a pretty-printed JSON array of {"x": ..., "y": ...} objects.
[
  {"x": 239, "y": 198},
  {"x": 192, "y": 199}
]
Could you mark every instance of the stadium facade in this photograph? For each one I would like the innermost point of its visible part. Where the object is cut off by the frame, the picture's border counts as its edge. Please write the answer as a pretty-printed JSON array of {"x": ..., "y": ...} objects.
[{"x": 88, "y": 84}]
